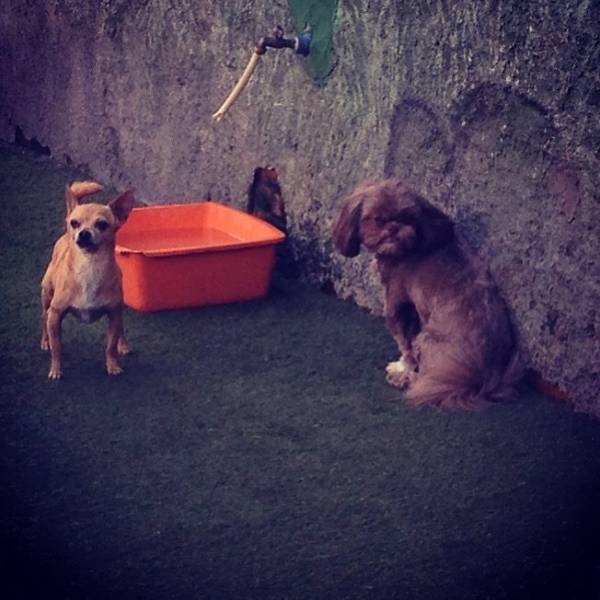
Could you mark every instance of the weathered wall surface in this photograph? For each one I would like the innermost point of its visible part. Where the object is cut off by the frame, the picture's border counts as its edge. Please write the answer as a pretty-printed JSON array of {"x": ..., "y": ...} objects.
[{"x": 491, "y": 109}]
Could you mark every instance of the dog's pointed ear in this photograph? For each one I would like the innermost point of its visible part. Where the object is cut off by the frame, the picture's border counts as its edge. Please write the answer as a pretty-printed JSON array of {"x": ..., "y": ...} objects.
[
  {"x": 71, "y": 200},
  {"x": 122, "y": 205},
  {"x": 434, "y": 229},
  {"x": 77, "y": 190},
  {"x": 346, "y": 231}
]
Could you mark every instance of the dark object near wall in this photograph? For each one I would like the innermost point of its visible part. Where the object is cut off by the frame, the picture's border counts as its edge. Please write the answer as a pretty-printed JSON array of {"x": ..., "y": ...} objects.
[
  {"x": 31, "y": 144},
  {"x": 265, "y": 201}
]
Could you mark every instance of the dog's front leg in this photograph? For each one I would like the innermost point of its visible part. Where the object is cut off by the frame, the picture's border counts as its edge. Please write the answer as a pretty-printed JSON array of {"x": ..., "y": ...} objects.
[
  {"x": 113, "y": 337},
  {"x": 54, "y": 319},
  {"x": 402, "y": 322}
]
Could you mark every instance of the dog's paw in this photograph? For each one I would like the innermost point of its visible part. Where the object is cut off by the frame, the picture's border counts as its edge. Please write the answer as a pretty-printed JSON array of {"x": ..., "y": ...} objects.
[
  {"x": 399, "y": 374},
  {"x": 45, "y": 345},
  {"x": 399, "y": 380},
  {"x": 113, "y": 368},
  {"x": 123, "y": 347},
  {"x": 396, "y": 367},
  {"x": 55, "y": 373}
]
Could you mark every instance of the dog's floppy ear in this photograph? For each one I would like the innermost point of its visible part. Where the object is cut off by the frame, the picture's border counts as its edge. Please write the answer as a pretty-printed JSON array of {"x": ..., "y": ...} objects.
[
  {"x": 122, "y": 205},
  {"x": 434, "y": 228},
  {"x": 346, "y": 231}
]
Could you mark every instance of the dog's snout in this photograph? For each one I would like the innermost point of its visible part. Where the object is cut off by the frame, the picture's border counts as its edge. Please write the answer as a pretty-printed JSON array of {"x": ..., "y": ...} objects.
[{"x": 84, "y": 238}]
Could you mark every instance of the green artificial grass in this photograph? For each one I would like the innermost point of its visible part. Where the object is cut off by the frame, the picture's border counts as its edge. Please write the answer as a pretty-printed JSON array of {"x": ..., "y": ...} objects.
[{"x": 255, "y": 451}]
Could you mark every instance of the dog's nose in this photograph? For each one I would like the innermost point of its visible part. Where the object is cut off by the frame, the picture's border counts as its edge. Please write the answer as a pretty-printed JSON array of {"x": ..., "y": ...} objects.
[{"x": 84, "y": 236}]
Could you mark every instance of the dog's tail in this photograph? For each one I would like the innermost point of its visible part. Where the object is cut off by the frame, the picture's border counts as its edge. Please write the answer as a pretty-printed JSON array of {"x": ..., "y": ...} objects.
[
  {"x": 79, "y": 189},
  {"x": 459, "y": 380}
]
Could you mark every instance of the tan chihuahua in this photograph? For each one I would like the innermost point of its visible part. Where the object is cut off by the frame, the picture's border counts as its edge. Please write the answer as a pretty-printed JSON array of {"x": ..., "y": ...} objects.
[{"x": 83, "y": 277}]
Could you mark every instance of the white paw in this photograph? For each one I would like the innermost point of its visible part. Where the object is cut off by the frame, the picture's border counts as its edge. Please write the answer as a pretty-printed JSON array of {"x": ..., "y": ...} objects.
[{"x": 397, "y": 367}]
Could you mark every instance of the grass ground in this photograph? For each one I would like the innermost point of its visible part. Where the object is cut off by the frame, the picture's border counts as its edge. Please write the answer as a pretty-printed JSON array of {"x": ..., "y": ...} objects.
[{"x": 255, "y": 451}]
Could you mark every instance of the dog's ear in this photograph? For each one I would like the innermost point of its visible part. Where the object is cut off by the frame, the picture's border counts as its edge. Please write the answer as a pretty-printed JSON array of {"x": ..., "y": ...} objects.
[
  {"x": 346, "y": 231},
  {"x": 434, "y": 229},
  {"x": 71, "y": 200},
  {"x": 77, "y": 190},
  {"x": 122, "y": 205}
]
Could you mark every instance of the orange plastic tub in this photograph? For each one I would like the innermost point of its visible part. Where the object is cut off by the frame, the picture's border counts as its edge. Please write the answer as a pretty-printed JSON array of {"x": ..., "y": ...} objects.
[{"x": 182, "y": 255}]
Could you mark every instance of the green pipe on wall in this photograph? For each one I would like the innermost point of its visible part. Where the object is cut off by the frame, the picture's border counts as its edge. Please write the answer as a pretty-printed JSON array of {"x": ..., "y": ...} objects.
[{"x": 321, "y": 16}]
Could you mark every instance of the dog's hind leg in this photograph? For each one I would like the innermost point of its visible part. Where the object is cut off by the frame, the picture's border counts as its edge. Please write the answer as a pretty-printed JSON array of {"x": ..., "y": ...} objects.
[
  {"x": 113, "y": 337},
  {"x": 46, "y": 299},
  {"x": 123, "y": 346}
]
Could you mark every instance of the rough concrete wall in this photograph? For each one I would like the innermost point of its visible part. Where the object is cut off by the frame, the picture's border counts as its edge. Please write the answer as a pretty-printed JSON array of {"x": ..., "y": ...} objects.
[{"x": 490, "y": 108}]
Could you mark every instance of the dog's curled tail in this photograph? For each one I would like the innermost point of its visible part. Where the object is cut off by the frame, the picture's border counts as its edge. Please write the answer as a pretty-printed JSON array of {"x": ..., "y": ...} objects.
[
  {"x": 456, "y": 380},
  {"x": 79, "y": 189}
]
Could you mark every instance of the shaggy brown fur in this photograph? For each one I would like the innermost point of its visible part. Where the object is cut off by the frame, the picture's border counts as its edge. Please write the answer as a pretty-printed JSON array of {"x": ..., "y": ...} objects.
[{"x": 453, "y": 330}]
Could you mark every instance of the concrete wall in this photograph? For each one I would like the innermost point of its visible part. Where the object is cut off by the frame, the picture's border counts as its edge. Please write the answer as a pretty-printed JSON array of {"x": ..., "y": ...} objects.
[{"x": 489, "y": 108}]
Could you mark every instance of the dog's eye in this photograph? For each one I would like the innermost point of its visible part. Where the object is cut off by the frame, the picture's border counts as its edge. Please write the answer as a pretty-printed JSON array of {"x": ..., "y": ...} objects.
[
  {"x": 101, "y": 225},
  {"x": 74, "y": 223}
]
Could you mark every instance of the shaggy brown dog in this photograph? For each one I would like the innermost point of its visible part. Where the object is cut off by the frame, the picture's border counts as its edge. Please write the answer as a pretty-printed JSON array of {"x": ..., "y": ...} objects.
[{"x": 453, "y": 330}]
